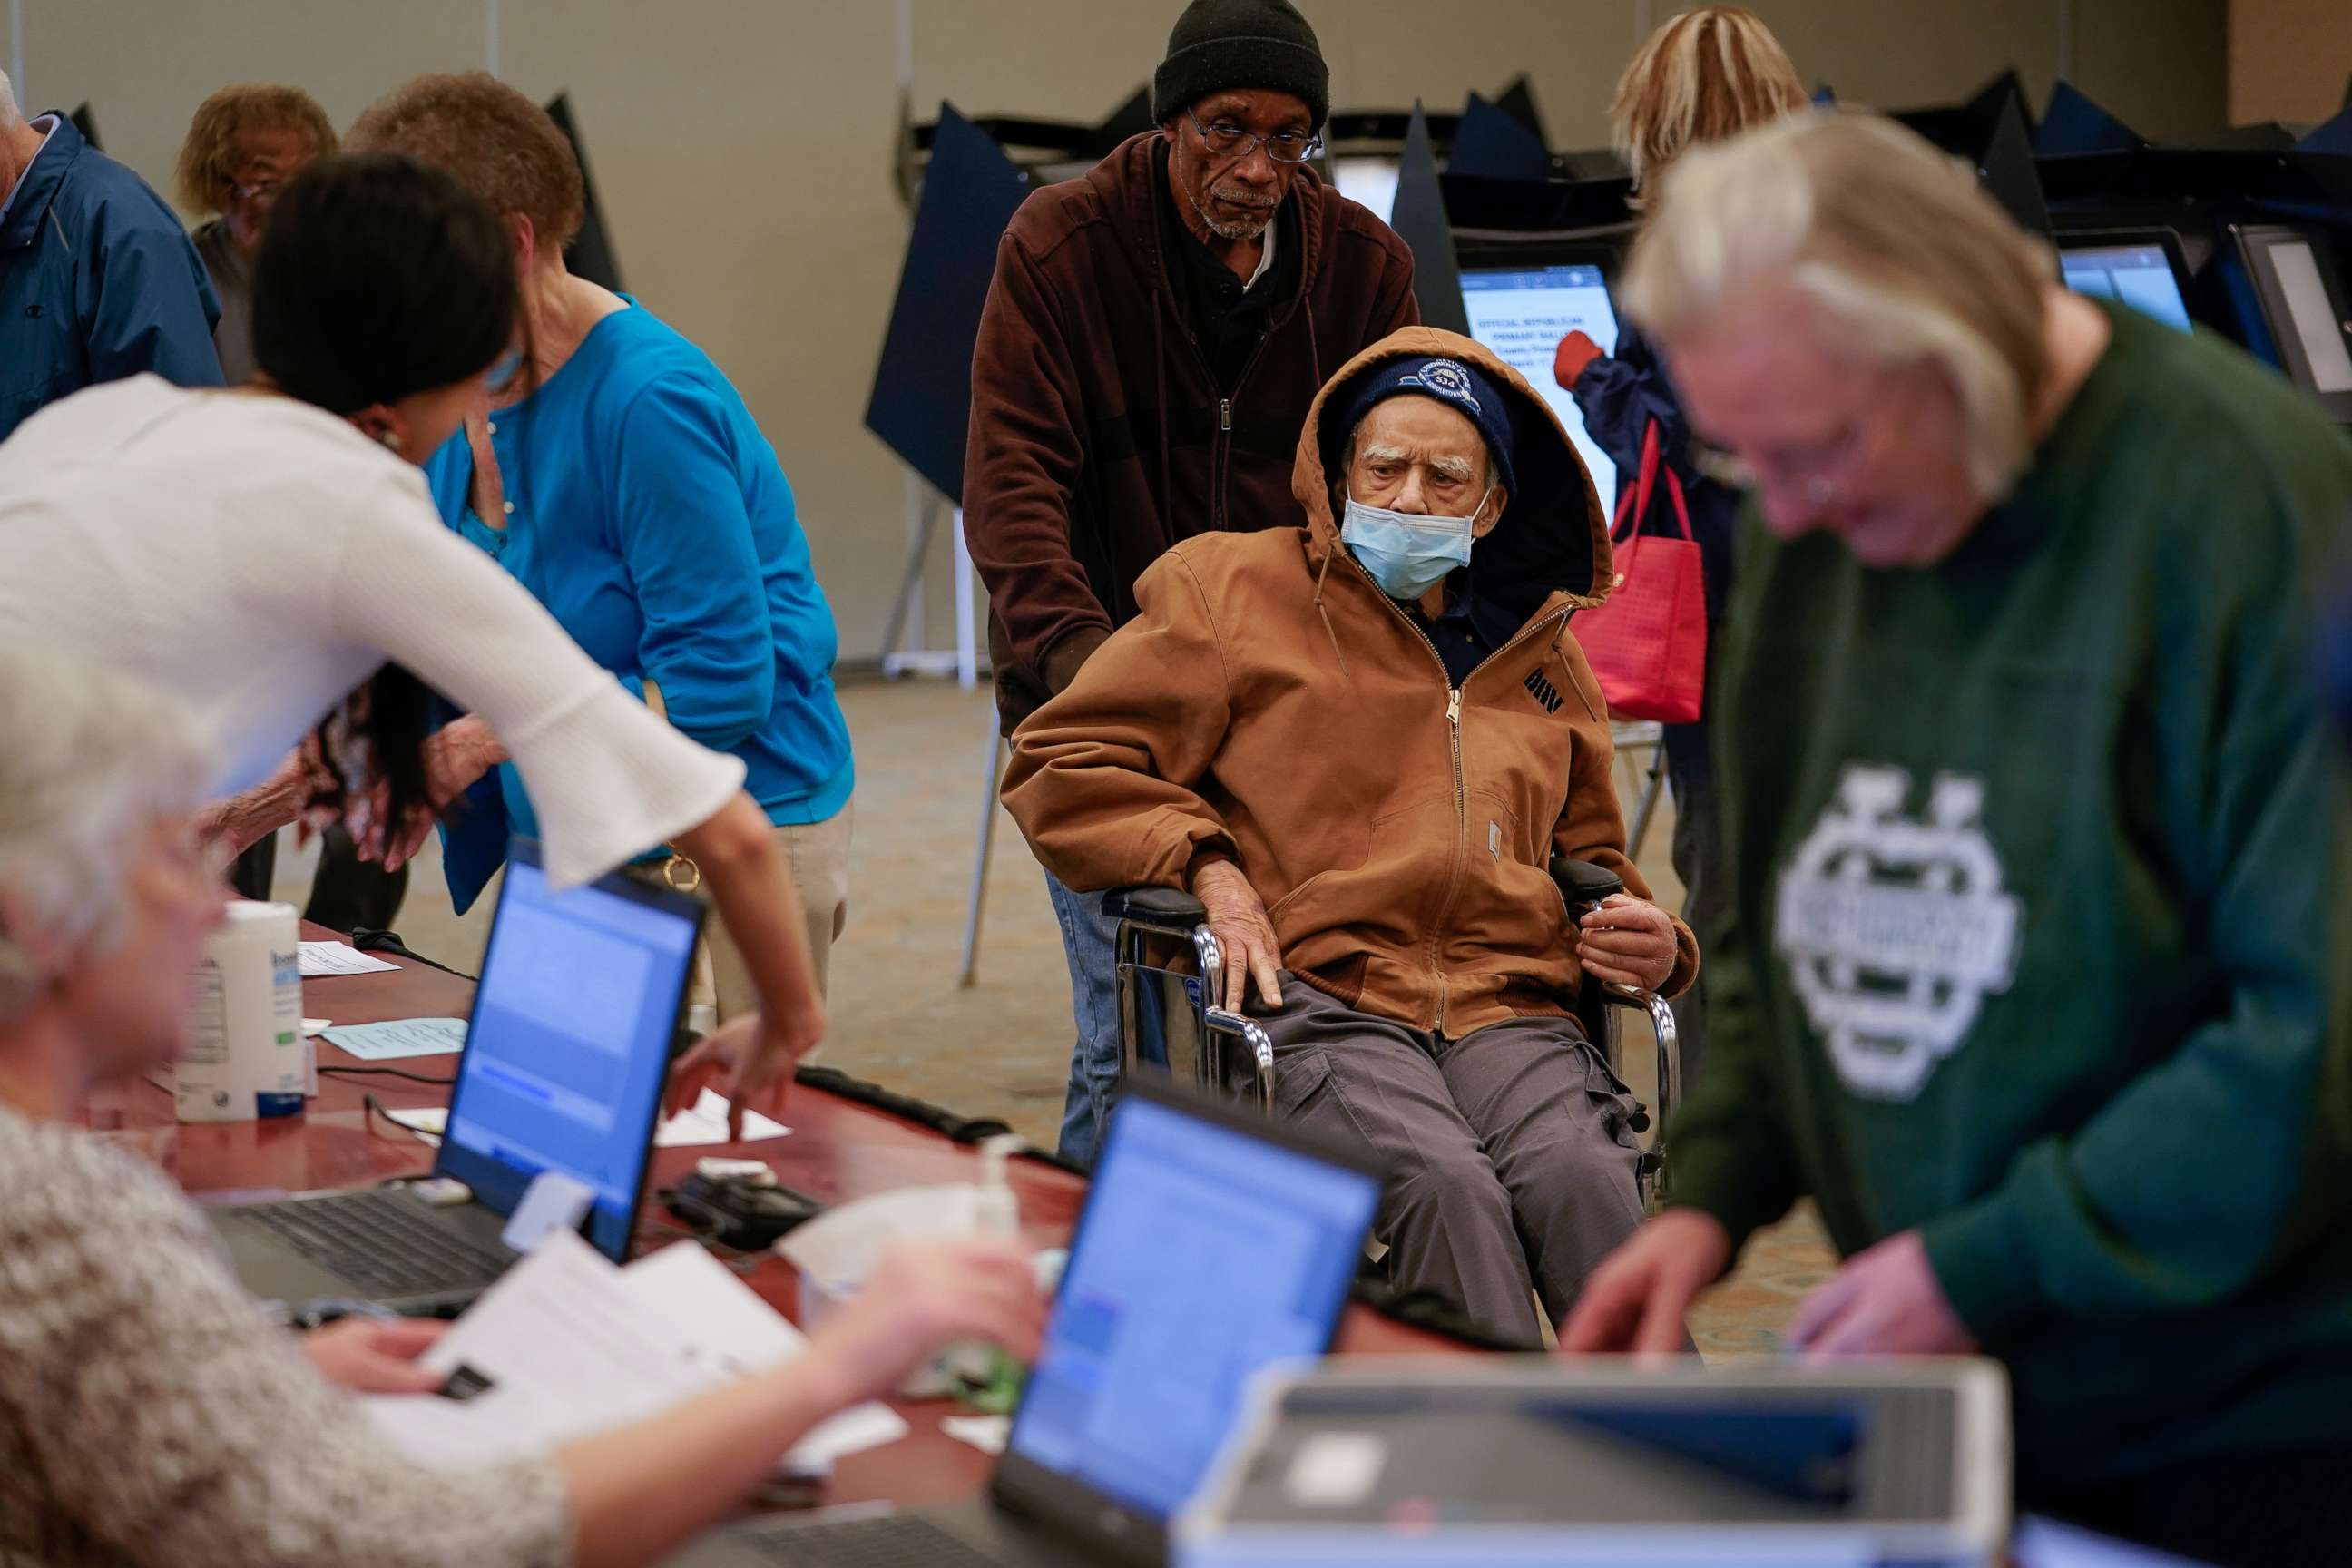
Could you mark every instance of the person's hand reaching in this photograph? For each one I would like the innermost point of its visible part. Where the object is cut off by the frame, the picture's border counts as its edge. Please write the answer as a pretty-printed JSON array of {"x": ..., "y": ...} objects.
[
  {"x": 748, "y": 1060},
  {"x": 1886, "y": 1300},
  {"x": 1636, "y": 1298},
  {"x": 375, "y": 1355},
  {"x": 1246, "y": 938},
  {"x": 1569, "y": 361},
  {"x": 458, "y": 753},
  {"x": 375, "y": 838},
  {"x": 924, "y": 1294}
]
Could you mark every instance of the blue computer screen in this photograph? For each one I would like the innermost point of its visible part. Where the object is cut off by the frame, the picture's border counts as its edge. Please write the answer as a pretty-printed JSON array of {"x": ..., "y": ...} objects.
[
  {"x": 2140, "y": 276},
  {"x": 1521, "y": 313},
  {"x": 569, "y": 1042},
  {"x": 1205, "y": 1256}
]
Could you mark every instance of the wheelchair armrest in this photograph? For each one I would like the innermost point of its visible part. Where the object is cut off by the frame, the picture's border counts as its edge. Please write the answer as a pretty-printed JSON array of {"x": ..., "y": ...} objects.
[
  {"x": 1171, "y": 910},
  {"x": 1582, "y": 882}
]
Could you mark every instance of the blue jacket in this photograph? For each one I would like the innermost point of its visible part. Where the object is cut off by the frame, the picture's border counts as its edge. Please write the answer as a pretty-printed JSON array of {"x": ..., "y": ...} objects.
[
  {"x": 648, "y": 513},
  {"x": 98, "y": 281},
  {"x": 1619, "y": 394}
]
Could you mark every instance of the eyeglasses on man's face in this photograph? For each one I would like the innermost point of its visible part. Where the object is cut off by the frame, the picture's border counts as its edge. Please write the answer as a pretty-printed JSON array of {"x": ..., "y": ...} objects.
[{"x": 1227, "y": 140}]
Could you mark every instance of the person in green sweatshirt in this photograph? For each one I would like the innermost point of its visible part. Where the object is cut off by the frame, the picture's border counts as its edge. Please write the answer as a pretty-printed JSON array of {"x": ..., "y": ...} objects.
[{"x": 2039, "y": 976}]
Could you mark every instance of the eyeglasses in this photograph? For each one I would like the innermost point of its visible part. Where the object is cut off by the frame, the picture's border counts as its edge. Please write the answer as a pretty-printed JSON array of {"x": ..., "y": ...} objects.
[
  {"x": 1814, "y": 471},
  {"x": 1230, "y": 141}
]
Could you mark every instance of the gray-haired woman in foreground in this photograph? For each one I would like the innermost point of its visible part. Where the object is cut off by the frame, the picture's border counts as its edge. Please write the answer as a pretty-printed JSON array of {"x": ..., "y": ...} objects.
[{"x": 148, "y": 1415}]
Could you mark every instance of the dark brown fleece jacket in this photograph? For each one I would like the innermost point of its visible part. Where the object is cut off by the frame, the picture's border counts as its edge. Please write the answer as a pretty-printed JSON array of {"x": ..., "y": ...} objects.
[{"x": 1099, "y": 436}]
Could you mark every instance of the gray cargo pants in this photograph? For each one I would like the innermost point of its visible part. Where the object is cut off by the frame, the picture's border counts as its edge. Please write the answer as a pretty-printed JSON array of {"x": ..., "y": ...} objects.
[{"x": 1510, "y": 1164}]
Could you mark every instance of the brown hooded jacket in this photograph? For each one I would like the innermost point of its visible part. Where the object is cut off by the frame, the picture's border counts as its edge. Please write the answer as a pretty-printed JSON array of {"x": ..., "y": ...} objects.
[{"x": 1270, "y": 705}]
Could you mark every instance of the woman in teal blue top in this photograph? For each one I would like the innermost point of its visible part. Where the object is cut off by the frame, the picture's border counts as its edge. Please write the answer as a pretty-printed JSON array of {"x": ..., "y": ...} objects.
[{"x": 618, "y": 477}]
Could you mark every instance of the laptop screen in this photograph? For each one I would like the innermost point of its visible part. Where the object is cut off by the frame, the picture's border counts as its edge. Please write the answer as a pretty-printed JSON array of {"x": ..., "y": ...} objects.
[
  {"x": 1520, "y": 313},
  {"x": 1205, "y": 1254},
  {"x": 569, "y": 1043}
]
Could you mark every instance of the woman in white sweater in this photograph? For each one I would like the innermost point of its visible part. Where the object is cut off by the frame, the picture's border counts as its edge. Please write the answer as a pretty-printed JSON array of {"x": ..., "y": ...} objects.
[
  {"x": 271, "y": 555},
  {"x": 148, "y": 1415}
]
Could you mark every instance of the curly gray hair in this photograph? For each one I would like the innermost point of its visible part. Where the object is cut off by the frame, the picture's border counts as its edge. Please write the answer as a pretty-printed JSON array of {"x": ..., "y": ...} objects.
[{"x": 89, "y": 758}]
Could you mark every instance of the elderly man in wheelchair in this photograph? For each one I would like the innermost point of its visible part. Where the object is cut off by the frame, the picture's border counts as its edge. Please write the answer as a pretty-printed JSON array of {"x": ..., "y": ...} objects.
[{"x": 1372, "y": 751}]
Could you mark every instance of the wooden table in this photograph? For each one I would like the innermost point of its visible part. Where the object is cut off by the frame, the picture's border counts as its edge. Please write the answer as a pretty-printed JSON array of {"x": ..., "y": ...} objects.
[{"x": 837, "y": 1151}]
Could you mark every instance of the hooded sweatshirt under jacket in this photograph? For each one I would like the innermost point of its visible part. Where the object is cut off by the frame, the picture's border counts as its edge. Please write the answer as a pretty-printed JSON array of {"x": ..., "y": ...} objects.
[{"x": 1270, "y": 705}]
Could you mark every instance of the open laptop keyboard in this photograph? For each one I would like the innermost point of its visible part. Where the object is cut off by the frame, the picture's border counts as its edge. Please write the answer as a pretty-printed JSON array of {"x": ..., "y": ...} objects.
[
  {"x": 374, "y": 1241},
  {"x": 891, "y": 1540}
]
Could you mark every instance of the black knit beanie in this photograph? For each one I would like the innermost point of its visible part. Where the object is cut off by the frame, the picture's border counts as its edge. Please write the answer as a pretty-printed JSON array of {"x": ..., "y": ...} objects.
[{"x": 1218, "y": 46}]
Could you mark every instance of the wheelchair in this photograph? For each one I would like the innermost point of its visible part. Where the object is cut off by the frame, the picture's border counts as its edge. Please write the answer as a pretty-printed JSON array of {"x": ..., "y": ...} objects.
[{"x": 1169, "y": 973}]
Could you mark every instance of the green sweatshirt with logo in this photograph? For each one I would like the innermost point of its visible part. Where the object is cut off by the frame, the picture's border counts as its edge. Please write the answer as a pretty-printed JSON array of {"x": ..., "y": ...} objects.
[{"x": 2043, "y": 938}]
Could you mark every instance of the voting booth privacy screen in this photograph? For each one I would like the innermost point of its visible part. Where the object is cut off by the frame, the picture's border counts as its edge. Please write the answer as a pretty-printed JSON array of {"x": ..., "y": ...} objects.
[
  {"x": 921, "y": 402},
  {"x": 590, "y": 254},
  {"x": 1520, "y": 312}
]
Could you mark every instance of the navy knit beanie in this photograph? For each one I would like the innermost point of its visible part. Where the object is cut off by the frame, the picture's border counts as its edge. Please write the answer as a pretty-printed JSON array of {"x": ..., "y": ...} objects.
[
  {"x": 1460, "y": 387},
  {"x": 1219, "y": 46}
]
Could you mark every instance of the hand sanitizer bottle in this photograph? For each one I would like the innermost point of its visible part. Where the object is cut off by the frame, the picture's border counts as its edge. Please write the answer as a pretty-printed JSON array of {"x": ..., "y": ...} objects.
[{"x": 995, "y": 1376}]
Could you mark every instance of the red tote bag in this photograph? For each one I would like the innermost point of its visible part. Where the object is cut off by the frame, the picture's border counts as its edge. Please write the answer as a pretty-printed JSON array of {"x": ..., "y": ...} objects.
[{"x": 1647, "y": 645}]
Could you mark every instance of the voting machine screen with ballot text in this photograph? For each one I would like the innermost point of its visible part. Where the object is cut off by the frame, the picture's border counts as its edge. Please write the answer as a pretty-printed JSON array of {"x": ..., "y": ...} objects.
[{"x": 1519, "y": 310}]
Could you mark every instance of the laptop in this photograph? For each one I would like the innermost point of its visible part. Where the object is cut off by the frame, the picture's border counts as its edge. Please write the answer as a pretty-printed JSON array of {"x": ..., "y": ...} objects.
[
  {"x": 1214, "y": 1243},
  {"x": 563, "y": 1069}
]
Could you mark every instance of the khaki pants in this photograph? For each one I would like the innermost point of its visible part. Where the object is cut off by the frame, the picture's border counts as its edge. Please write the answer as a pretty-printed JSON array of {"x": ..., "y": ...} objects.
[{"x": 818, "y": 854}]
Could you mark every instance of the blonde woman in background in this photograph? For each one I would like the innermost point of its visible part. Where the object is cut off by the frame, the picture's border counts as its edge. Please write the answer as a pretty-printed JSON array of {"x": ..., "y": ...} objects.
[
  {"x": 1704, "y": 77},
  {"x": 244, "y": 144}
]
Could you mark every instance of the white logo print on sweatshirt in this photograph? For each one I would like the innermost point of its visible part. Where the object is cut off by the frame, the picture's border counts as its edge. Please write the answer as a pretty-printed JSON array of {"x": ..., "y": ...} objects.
[{"x": 1895, "y": 930}]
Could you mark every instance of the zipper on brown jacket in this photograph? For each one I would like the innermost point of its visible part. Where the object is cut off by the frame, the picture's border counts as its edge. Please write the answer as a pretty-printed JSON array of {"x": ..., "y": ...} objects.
[{"x": 1438, "y": 933}]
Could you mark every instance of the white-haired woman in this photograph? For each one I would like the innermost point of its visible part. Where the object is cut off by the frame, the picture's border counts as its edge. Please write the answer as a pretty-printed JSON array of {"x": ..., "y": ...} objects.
[
  {"x": 1702, "y": 78},
  {"x": 2040, "y": 972},
  {"x": 148, "y": 1415}
]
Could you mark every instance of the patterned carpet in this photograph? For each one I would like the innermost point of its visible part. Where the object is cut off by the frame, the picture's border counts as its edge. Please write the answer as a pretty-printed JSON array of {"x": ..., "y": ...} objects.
[
  {"x": 1745, "y": 1315},
  {"x": 1001, "y": 1047}
]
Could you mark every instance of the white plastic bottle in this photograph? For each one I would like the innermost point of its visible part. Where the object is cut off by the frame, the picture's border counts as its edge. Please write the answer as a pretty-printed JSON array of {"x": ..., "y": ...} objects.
[
  {"x": 995, "y": 1211},
  {"x": 244, "y": 1052}
]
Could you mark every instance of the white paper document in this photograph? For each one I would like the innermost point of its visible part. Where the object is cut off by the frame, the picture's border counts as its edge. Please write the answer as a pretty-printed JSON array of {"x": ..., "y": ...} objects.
[
  {"x": 323, "y": 958},
  {"x": 705, "y": 1123},
  {"x": 428, "y": 1121},
  {"x": 401, "y": 1038},
  {"x": 570, "y": 1345},
  {"x": 989, "y": 1434}
]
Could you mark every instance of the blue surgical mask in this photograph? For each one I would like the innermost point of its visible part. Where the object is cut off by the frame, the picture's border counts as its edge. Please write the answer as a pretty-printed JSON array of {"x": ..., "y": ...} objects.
[
  {"x": 502, "y": 370},
  {"x": 1408, "y": 553}
]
